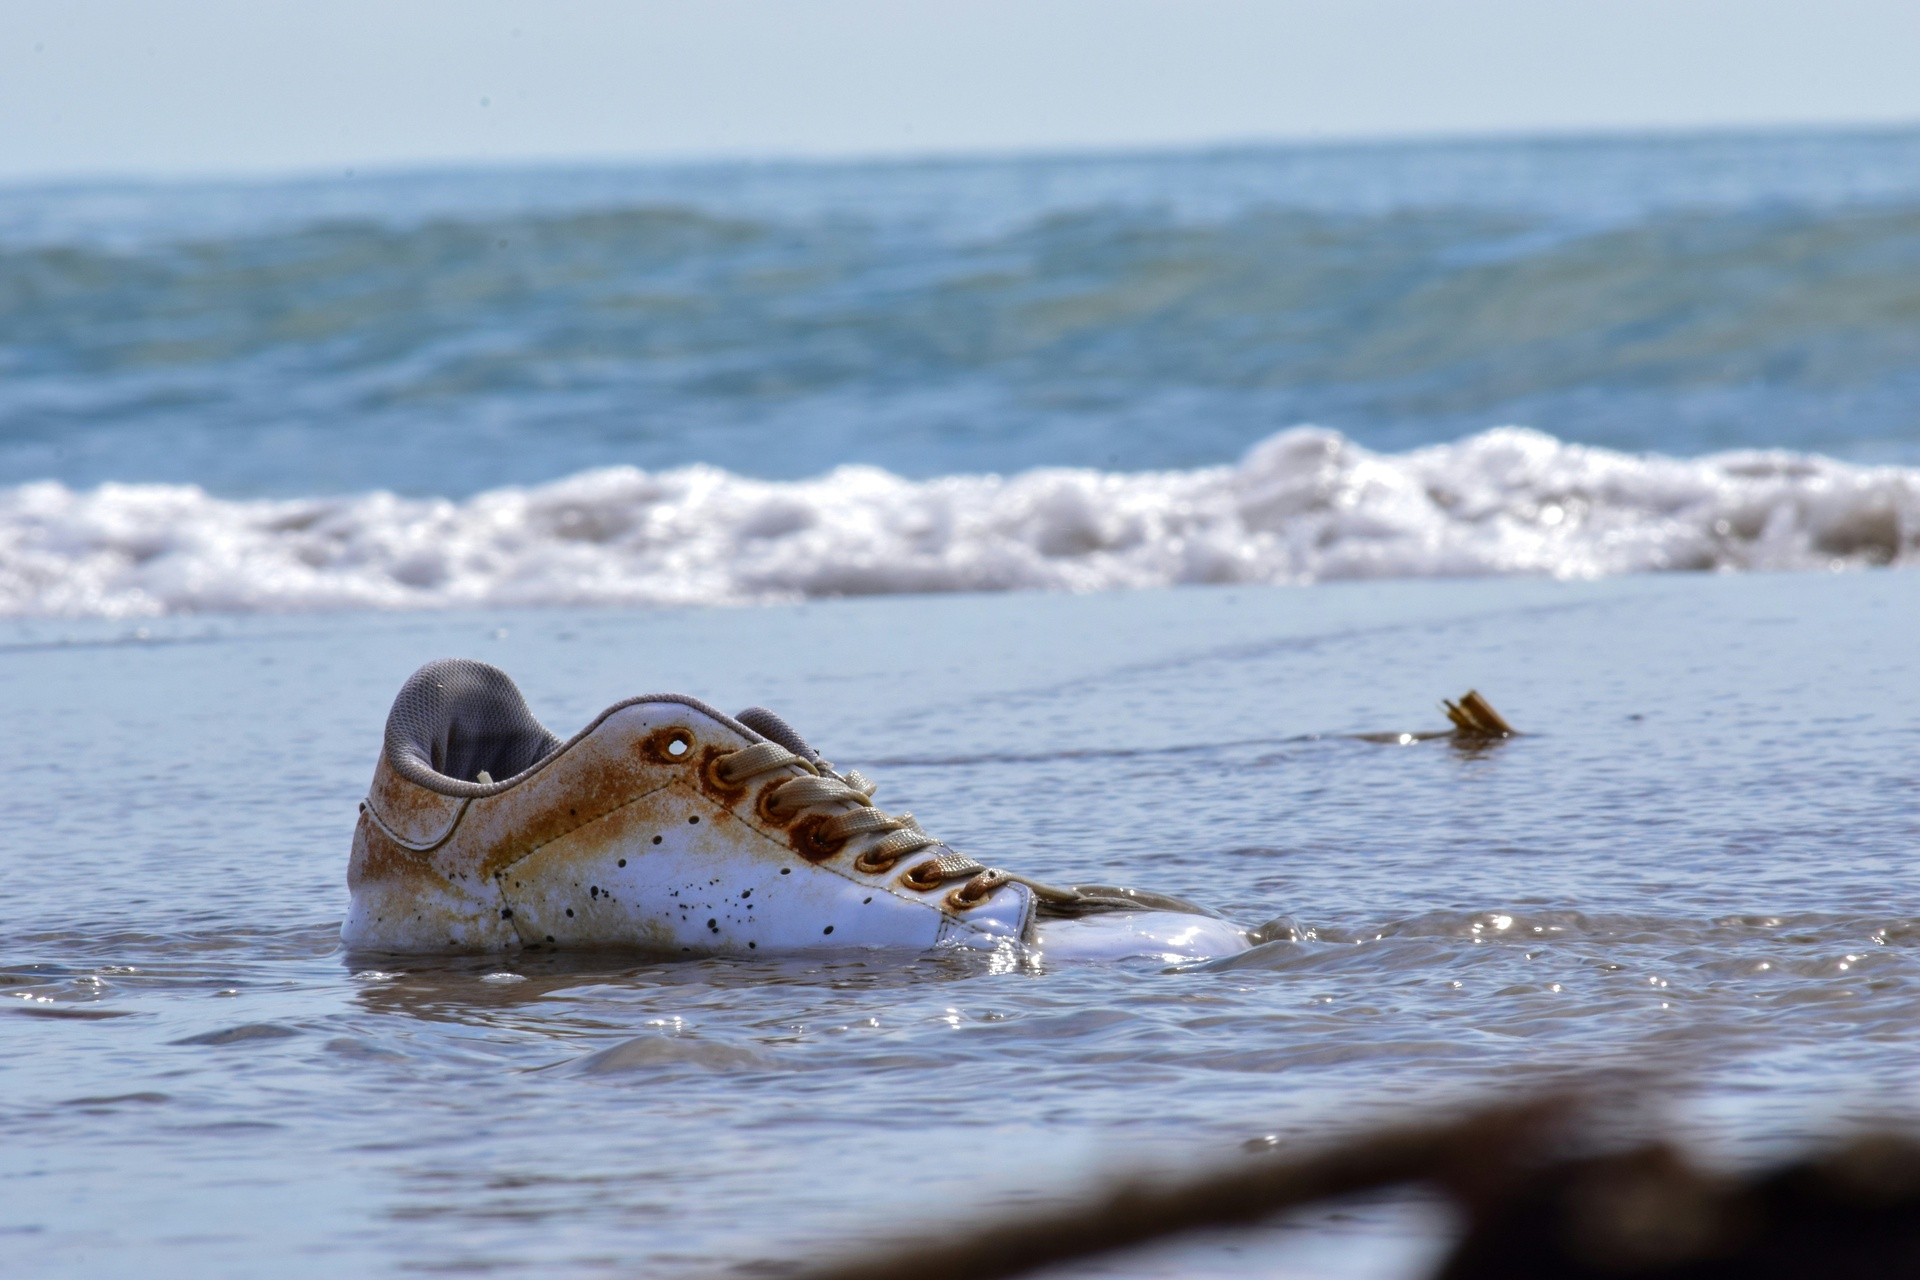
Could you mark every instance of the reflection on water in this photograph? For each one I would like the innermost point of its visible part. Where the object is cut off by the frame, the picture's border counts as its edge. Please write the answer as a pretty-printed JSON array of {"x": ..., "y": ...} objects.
[{"x": 479, "y": 988}]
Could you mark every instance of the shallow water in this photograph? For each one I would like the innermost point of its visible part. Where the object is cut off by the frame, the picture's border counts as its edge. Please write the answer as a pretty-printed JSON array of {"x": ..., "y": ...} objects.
[{"x": 1699, "y": 862}]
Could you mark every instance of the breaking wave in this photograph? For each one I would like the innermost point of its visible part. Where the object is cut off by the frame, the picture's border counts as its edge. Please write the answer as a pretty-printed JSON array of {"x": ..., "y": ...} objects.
[{"x": 1305, "y": 505}]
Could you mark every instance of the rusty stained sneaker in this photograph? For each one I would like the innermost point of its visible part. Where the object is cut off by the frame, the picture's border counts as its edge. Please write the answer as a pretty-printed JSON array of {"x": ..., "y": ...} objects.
[{"x": 668, "y": 826}]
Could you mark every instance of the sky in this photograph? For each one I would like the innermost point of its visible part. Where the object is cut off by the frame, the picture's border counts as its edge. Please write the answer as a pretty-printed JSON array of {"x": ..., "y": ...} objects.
[{"x": 191, "y": 87}]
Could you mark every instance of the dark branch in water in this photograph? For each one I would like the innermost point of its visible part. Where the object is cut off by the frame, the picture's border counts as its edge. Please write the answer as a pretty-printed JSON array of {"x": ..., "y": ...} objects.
[
  {"x": 1540, "y": 1200},
  {"x": 1468, "y": 1155}
]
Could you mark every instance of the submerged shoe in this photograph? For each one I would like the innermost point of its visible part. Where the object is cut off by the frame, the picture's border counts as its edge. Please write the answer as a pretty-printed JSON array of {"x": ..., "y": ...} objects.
[{"x": 669, "y": 826}]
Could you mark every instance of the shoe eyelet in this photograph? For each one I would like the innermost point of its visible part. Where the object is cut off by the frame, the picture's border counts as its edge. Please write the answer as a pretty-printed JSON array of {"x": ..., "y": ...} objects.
[
  {"x": 977, "y": 890},
  {"x": 875, "y": 866},
  {"x": 809, "y": 842},
  {"x": 923, "y": 878},
  {"x": 714, "y": 779},
  {"x": 672, "y": 745},
  {"x": 767, "y": 811}
]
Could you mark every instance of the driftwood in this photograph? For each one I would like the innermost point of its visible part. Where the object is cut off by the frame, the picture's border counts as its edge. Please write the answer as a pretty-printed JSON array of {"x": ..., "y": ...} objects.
[
  {"x": 1849, "y": 1213},
  {"x": 1474, "y": 717},
  {"x": 1535, "y": 1207},
  {"x": 1466, "y": 1153},
  {"x": 1475, "y": 724}
]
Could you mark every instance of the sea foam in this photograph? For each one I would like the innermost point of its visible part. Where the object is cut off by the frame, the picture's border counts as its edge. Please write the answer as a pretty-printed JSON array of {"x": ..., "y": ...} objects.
[{"x": 1305, "y": 505}]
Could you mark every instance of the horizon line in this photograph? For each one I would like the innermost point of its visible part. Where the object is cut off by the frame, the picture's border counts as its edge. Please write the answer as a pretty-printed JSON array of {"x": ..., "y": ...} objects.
[{"x": 963, "y": 156}]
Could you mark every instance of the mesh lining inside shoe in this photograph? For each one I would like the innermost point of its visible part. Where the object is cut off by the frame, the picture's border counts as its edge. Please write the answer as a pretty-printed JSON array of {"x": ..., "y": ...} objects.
[{"x": 456, "y": 718}]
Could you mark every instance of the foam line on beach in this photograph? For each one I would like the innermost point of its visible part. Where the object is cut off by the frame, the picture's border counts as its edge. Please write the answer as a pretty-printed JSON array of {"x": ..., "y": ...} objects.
[{"x": 1306, "y": 505}]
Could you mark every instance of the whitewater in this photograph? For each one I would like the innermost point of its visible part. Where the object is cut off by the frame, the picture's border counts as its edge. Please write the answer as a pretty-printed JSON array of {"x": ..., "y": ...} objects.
[{"x": 1306, "y": 505}]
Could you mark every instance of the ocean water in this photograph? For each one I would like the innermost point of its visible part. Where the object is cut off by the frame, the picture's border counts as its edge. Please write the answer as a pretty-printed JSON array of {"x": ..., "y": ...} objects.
[
  {"x": 756, "y": 383},
  {"x": 1090, "y": 504},
  {"x": 1699, "y": 864}
]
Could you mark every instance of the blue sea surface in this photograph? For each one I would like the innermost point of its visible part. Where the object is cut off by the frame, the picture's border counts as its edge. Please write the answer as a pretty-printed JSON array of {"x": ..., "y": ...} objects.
[
  {"x": 444, "y": 333},
  {"x": 751, "y": 383},
  {"x": 1090, "y": 504}
]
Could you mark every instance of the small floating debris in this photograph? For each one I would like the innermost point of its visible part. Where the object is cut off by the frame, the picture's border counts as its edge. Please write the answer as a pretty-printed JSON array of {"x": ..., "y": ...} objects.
[
  {"x": 1475, "y": 723},
  {"x": 1474, "y": 717}
]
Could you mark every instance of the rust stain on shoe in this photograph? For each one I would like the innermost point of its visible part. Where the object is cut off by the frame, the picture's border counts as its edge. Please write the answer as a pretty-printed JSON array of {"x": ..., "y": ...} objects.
[
  {"x": 923, "y": 878},
  {"x": 598, "y": 777},
  {"x": 414, "y": 814},
  {"x": 766, "y": 811},
  {"x": 400, "y": 895},
  {"x": 809, "y": 839},
  {"x": 376, "y": 859},
  {"x": 658, "y": 746},
  {"x": 708, "y": 775}
]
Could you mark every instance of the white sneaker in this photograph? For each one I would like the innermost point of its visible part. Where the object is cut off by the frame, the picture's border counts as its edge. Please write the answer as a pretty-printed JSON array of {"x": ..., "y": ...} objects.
[{"x": 669, "y": 826}]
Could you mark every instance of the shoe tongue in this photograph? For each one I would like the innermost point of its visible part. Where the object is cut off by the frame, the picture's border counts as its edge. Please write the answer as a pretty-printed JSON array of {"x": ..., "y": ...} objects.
[{"x": 770, "y": 726}]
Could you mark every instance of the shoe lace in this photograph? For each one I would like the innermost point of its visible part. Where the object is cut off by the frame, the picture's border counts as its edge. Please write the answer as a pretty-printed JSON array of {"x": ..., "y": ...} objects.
[{"x": 818, "y": 785}]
